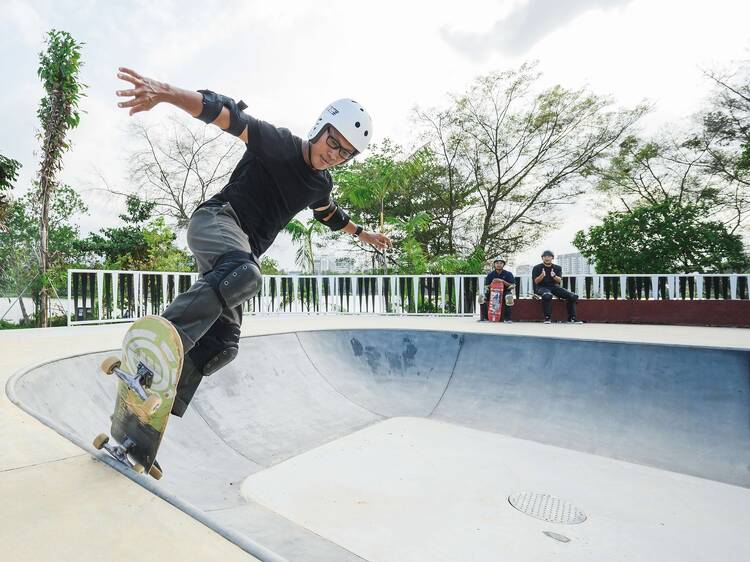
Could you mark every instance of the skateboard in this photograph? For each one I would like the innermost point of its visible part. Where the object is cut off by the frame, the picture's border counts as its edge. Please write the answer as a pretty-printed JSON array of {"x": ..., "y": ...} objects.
[
  {"x": 148, "y": 371},
  {"x": 509, "y": 296},
  {"x": 495, "y": 304}
]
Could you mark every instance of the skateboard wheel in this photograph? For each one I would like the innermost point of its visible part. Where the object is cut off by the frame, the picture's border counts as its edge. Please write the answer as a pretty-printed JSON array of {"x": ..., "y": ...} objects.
[
  {"x": 155, "y": 473},
  {"x": 138, "y": 467},
  {"x": 151, "y": 404},
  {"x": 100, "y": 440},
  {"x": 109, "y": 365}
]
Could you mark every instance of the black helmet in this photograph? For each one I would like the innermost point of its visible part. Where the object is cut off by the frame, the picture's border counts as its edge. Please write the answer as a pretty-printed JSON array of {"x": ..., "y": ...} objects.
[{"x": 548, "y": 253}]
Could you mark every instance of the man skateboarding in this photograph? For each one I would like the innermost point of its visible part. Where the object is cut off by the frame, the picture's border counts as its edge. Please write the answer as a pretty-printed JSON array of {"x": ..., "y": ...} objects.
[
  {"x": 547, "y": 278},
  {"x": 278, "y": 176},
  {"x": 508, "y": 281}
]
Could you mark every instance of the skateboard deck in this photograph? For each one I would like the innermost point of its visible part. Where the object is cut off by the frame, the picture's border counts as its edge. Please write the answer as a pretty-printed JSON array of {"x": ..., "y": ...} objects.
[
  {"x": 495, "y": 305},
  {"x": 148, "y": 370}
]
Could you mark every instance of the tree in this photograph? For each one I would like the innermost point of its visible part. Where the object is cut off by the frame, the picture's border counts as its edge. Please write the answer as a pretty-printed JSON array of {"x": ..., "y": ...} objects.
[
  {"x": 19, "y": 257},
  {"x": 8, "y": 174},
  {"x": 143, "y": 243},
  {"x": 366, "y": 187},
  {"x": 163, "y": 254},
  {"x": 19, "y": 246},
  {"x": 269, "y": 266},
  {"x": 411, "y": 258},
  {"x": 652, "y": 171},
  {"x": 526, "y": 152},
  {"x": 666, "y": 236},
  {"x": 58, "y": 112},
  {"x": 178, "y": 164},
  {"x": 390, "y": 190},
  {"x": 724, "y": 142},
  {"x": 448, "y": 185},
  {"x": 302, "y": 236}
]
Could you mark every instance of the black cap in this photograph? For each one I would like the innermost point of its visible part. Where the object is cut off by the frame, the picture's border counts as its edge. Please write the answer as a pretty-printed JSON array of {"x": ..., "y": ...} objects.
[{"x": 548, "y": 253}]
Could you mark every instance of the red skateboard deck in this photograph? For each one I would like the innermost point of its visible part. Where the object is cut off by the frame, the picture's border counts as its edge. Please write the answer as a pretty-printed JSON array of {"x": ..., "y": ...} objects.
[{"x": 495, "y": 304}]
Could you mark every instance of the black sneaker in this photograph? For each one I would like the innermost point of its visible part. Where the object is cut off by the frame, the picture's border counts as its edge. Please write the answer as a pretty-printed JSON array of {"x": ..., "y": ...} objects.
[
  {"x": 574, "y": 320},
  {"x": 547, "y": 320}
]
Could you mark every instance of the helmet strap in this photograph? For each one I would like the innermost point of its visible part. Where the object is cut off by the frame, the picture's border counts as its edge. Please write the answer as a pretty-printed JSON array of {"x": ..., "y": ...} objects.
[{"x": 309, "y": 157}]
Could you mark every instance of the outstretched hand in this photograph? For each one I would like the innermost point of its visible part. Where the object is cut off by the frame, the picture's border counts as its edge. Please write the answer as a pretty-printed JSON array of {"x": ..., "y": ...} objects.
[
  {"x": 376, "y": 239},
  {"x": 146, "y": 93}
]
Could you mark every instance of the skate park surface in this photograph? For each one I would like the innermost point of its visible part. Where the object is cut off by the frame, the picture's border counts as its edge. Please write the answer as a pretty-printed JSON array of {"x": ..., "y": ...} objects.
[{"x": 377, "y": 438}]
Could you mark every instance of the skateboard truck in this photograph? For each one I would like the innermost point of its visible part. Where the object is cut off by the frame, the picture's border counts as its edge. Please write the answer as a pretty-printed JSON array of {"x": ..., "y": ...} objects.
[
  {"x": 138, "y": 383},
  {"x": 118, "y": 452},
  {"x": 145, "y": 376}
]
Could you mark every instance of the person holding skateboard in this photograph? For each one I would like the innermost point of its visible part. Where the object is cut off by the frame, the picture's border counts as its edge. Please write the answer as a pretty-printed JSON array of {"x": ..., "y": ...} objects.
[
  {"x": 278, "y": 176},
  {"x": 509, "y": 282},
  {"x": 547, "y": 278}
]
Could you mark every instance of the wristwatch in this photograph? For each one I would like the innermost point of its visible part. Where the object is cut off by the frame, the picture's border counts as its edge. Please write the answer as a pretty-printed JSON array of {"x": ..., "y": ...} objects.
[{"x": 358, "y": 231}]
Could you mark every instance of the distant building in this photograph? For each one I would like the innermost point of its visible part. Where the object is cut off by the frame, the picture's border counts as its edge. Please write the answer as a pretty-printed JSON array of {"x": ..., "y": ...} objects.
[
  {"x": 574, "y": 264},
  {"x": 322, "y": 264},
  {"x": 331, "y": 264}
]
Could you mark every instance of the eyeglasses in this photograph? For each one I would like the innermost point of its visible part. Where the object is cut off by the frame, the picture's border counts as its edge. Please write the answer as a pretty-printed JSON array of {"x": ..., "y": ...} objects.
[{"x": 336, "y": 145}]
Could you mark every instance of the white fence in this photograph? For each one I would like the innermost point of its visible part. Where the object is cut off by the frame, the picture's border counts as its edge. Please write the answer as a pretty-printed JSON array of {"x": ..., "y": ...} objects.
[{"x": 97, "y": 296}]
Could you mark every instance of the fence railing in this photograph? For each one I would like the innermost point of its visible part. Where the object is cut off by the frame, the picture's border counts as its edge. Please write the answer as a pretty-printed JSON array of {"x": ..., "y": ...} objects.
[{"x": 98, "y": 296}]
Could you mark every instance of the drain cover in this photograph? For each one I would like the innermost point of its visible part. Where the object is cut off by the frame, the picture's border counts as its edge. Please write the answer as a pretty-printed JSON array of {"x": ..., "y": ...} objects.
[{"x": 547, "y": 508}]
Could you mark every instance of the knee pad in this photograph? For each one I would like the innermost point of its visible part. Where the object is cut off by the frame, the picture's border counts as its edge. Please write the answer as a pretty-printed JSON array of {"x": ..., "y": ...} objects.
[
  {"x": 235, "y": 278},
  {"x": 547, "y": 296},
  {"x": 217, "y": 348}
]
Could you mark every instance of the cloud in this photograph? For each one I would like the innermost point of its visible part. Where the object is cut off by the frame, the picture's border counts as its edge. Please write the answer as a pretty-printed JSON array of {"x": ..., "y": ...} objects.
[
  {"x": 524, "y": 26},
  {"x": 26, "y": 21}
]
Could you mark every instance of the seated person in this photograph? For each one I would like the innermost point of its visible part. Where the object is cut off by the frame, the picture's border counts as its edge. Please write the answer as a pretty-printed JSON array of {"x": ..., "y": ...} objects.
[
  {"x": 508, "y": 281},
  {"x": 547, "y": 278}
]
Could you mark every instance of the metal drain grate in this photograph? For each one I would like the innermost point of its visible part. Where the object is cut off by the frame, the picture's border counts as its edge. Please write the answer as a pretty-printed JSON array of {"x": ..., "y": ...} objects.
[{"x": 547, "y": 508}]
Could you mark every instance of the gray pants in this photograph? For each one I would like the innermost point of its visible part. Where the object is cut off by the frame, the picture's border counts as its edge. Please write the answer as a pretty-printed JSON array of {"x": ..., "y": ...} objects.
[{"x": 202, "y": 320}]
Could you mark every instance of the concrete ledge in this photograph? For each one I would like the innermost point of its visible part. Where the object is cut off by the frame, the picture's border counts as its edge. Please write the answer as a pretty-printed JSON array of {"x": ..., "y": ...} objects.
[{"x": 723, "y": 313}]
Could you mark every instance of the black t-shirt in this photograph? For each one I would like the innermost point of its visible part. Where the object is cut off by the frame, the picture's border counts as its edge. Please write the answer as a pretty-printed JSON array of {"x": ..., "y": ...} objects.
[
  {"x": 547, "y": 281},
  {"x": 271, "y": 184},
  {"x": 505, "y": 275}
]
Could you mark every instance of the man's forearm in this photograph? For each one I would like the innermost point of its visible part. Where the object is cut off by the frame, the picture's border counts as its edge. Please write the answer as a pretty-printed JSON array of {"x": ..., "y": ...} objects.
[
  {"x": 187, "y": 100},
  {"x": 350, "y": 228}
]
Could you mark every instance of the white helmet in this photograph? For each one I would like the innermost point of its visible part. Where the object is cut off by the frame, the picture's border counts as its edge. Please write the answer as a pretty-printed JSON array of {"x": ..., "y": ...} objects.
[{"x": 349, "y": 118}]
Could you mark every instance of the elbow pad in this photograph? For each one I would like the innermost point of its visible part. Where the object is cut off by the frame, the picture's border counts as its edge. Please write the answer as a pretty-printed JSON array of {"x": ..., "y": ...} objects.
[
  {"x": 212, "y": 106},
  {"x": 337, "y": 220}
]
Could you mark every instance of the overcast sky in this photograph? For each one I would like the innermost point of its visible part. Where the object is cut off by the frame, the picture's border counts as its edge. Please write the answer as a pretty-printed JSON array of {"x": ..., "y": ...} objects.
[{"x": 287, "y": 59}]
